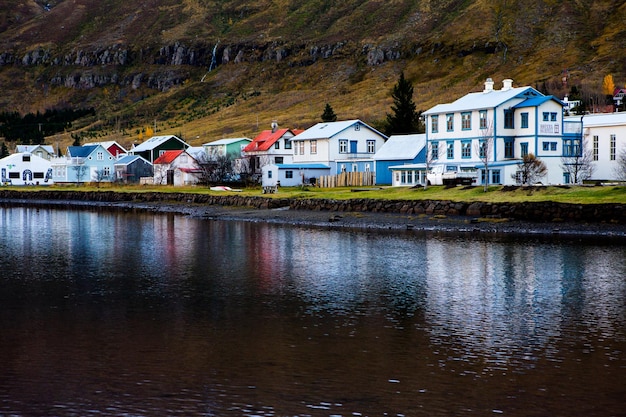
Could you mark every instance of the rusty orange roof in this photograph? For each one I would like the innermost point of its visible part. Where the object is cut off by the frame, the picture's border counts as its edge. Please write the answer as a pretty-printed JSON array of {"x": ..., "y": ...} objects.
[{"x": 168, "y": 157}]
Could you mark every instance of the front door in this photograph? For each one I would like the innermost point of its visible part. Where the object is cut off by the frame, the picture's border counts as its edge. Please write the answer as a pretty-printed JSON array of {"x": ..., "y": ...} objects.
[
  {"x": 353, "y": 146},
  {"x": 170, "y": 177}
]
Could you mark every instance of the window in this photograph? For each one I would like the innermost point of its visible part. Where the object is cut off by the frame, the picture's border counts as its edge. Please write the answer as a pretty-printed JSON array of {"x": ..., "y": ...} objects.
[
  {"x": 612, "y": 148},
  {"x": 450, "y": 122},
  {"x": 450, "y": 150},
  {"x": 277, "y": 144},
  {"x": 371, "y": 146},
  {"x": 289, "y": 174},
  {"x": 509, "y": 148},
  {"x": 546, "y": 116},
  {"x": 508, "y": 119},
  {"x": 343, "y": 168},
  {"x": 553, "y": 146},
  {"x": 495, "y": 176},
  {"x": 434, "y": 124},
  {"x": 482, "y": 149},
  {"x": 14, "y": 175},
  {"x": 100, "y": 156},
  {"x": 434, "y": 150},
  {"x": 278, "y": 160},
  {"x": 343, "y": 146},
  {"x": 313, "y": 147},
  {"x": 466, "y": 121},
  {"x": 295, "y": 149},
  {"x": 354, "y": 168},
  {"x": 357, "y": 127},
  {"x": 571, "y": 147},
  {"x": 106, "y": 171},
  {"x": 524, "y": 120},
  {"x": 287, "y": 144},
  {"x": 466, "y": 149},
  {"x": 183, "y": 158},
  {"x": 25, "y": 158},
  {"x": 596, "y": 146},
  {"x": 38, "y": 175},
  {"x": 546, "y": 146},
  {"x": 367, "y": 168},
  {"x": 269, "y": 174},
  {"x": 553, "y": 117},
  {"x": 301, "y": 147},
  {"x": 483, "y": 119},
  {"x": 524, "y": 149}
]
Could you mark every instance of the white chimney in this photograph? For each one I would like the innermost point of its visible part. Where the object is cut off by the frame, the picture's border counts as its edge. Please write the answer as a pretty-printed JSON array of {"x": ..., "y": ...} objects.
[
  {"x": 274, "y": 126},
  {"x": 507, "y": 84},
  {"x": 488, "y": 85}
]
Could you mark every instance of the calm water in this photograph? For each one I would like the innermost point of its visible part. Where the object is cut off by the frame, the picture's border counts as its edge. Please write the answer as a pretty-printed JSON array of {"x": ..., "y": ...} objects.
[{"x": 110, "y": 314}]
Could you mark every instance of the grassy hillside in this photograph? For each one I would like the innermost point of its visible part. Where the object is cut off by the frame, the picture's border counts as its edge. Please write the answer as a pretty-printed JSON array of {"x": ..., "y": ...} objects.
[{"x": 145, "y": 65}]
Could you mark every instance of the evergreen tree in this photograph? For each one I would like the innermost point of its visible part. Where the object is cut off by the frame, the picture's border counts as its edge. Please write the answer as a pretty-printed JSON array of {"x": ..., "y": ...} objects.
[
  {"x": 4, "y": 151},
  {"x": 329, "y": 114},
  {"x": 405, "y": 118}
]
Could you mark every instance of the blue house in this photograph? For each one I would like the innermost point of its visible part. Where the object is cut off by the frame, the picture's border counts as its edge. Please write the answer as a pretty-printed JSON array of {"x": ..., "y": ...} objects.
[
  {"x": 399, "y": 150},
  {"x": 84, "y": 164}
]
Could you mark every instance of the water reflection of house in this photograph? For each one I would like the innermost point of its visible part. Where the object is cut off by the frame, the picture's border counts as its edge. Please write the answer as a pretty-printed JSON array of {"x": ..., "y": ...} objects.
[
  {"x": 176, "y": 168},
  {"x": 25, "y": 169}
]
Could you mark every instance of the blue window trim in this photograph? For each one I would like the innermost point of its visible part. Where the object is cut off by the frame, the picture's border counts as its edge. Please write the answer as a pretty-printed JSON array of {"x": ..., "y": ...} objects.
[
  {"x": 434, "y": 123},
  {"x": 450, "y": 126},
  {"x": 464, "y": 143},
  {"x": 466, "y": 115},
  {"x": 449, "y": 155},
  {"x": 524, "y": 120}
]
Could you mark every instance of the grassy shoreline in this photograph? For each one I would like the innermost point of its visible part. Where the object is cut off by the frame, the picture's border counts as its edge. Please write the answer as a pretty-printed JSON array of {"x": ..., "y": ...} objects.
[{"x": 612, "y": 194}]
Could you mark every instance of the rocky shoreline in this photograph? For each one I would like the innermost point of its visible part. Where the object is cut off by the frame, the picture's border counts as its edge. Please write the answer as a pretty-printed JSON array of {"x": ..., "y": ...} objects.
[{"x": 318, "y": 214}]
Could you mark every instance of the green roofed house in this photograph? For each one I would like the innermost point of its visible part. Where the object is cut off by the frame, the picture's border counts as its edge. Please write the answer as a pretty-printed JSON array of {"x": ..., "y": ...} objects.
[{"x": 156, "y": 146}]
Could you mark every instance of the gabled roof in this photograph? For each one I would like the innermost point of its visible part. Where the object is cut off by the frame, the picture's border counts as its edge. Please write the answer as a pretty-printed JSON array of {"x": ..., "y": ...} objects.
[
  {"x": 228, "y": 141},
  {"x": 536, "y": 101},
  {"x": 484, "y": 100},
  {"x": 266, "y": 139},
  {"x": 81, "y": 151},
  {"x": 600, "y": 119},
  {"x": 154, "y": 142},
  {"x": 32, "y": 148},
  {"x": 326, "y": 130},
  {"x": 106, "y": 144},
  {"x": 129, "y": 159},
  {"x": 302, "y": 166},
  {"x": 400, "y": 147},
  {"x": 168, "y": 157}
]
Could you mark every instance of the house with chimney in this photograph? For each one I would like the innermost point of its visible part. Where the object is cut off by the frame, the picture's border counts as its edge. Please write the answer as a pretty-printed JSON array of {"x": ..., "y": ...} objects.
[
  {"x": 272, "y": 146},
  {"x": 484, "y": 135},
  {"x": 344, "y": 146}
]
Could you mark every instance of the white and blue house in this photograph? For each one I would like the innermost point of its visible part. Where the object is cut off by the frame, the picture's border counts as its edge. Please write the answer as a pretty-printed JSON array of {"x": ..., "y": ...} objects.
[
  {"x": 84, "y": 164},
  {"x": 505, "y": 125}
]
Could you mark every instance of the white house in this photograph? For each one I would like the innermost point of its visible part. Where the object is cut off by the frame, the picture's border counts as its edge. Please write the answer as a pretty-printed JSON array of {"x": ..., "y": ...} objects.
[
  {"x": 503, "y": 125},
  {"x": 604, "y": 136},
  {"x": 42, "y": 151},
  {"x": 176, "y": 167},
  {"x": 270, "y": 147},
  {"x": 25, "y": 169},
  {"x": 346, "y": 146},
  {"x": 292, "y": 175}
]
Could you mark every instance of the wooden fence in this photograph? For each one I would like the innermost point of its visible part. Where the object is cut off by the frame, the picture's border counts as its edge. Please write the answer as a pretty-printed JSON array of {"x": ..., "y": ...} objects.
[{"x": 347, "y": 179}]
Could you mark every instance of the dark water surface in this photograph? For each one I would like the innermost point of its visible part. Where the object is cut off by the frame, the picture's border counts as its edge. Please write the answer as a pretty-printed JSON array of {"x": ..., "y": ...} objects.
[{"x": 110, "y": 314}]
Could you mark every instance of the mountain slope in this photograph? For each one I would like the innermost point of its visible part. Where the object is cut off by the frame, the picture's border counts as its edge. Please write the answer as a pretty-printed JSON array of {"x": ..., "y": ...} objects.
[{"x": 151, "y": 63}]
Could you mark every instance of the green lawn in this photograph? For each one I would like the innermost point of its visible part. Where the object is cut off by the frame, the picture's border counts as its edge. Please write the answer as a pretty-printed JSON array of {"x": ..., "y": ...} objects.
[{"x": 575, "y": 194}]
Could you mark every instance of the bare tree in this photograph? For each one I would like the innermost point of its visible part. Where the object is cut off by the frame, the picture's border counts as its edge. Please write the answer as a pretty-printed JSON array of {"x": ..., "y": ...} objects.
[
  {"x": 484, "y": 149},
  {"x": 578, "y": 163},
  {"x": 530, "y": 170},
  {"x": 98, "y": 176},
  {"x": 80, "y": 171},
  {"x": 432, "y": 154},
  {"x": 216, "y": 170},
  {"x": 620, "y": 169}
]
